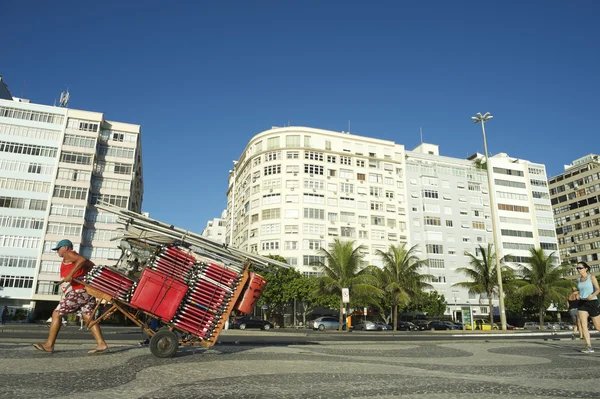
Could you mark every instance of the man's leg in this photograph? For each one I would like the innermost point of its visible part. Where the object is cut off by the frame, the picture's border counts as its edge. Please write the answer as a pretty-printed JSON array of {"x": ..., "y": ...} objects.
[
  {"x": 97, "y": 333},
  {"x": 88, "y": 303},
  {"x": 48, "y": 346}
]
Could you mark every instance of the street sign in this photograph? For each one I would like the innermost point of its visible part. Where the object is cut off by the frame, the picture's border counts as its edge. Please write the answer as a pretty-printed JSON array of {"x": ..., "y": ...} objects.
[
  {"x": 345, "y": 295},
  {"x": 264, "y": 307},
  {"x": 467, "y": 317}
]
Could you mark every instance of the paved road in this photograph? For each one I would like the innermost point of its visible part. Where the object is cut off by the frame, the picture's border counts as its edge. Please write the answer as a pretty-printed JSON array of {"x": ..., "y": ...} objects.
[
  {"x": 465, "y": 370},
  {"x": 130, "y": 335}
]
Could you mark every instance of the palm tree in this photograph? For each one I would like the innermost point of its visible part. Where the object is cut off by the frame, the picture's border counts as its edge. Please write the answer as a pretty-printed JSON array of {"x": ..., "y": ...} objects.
[
  {"x": 342, "y": 269},
  {"x": 482, "y": 275},
  {"x": 544, "y": 281},
  {"x": 400, "y": 276}
]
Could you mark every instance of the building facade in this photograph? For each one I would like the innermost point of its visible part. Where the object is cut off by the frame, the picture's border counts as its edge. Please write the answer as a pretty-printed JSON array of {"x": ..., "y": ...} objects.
[
  {"x": 575, "y": 196},
  {"x": 449, "y": 207},
  {"x": 216, "y": 229},
  {"x": 295, "y": 189},
  {"x": 56, "y": 164}
]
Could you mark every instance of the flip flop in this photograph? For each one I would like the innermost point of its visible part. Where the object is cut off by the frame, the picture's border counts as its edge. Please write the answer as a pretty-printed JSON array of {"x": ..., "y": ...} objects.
[
  {"x": 40, "y": 347},
  {"x": 97, "y": 351}
]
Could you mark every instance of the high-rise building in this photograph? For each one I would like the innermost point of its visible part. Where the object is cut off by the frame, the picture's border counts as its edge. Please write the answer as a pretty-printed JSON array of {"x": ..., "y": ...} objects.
[
  {"x": 449, "y": 208},
  {"x": 216, "y": 229},
  {"x": 575, "y": 196},
  {"x": 56, "y": 164},
  {"x": 298, "y": 188}
]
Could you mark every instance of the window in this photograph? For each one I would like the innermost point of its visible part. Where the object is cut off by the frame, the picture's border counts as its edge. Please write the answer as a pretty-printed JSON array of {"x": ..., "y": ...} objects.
[
  {"x": 360, "y": 163},
  {"x": 46, "y": 117},
  {"x": 119, "y": 152},
  {"x": 313, "y": 213},
  {"x": 292, "y": 229},
  {"x": 430, "y": 194},
  {"x": 433, "y": 221},
  {"x": 110, "y": 184},
  {"x": 292, "y": 154},
  {"x": 313, "y": 169},
  {"x": 24, "y": 185},
  {"x": 375, "y": 178},
  {"x": 345, "y": 160},
  {"x": 478, "y": 225},
  {"x": 10, "y": 241},
  {"x": 377, "y": 220},
  {"x": 12, "y": 165},
  {"x": 513, "y": 208},
  {"x": 272, "y": 156},
  {"x": 376, "y": 191},
  {"x": 76, "y": 158},
  {"x": 331, "y": 158},
  {"x": 79, "y": 141},
  {"x": 310, "y": 228},
  {"x": 8, "y": 281},
  {"x": 346, "y": 174},
  {"x": 271, "y": 228},
  {"x": 347, "y": 217},
  {"x": 292, "y": 213},
  {"x": 347, "y": 188},
  {"x": 312, "y": 260},
  {"x": 376, "y": 206},
  {"x": 30, "y": 132},
  {"x": 23, "y": 203},
  {"x": 314, "y": 156},
  {"x": 434, "y": 249},
  {"x": 271, "y": 213},
  {"x": 508, "y": 183},
  {"x": 270, "y": 199},
  {"x": 117, "y": 200},
  {"x": 272, "y": 142},
  {"x": 310, "y": 198},
  {"x": 510, "y": 172},
  {"x": 21, "y": 222},
  {"x": 292, "y": 141},
  {"x": 291, "y": 245},
  {"x": 436, "y": 263},
  {"x": 70, "y": 192},
  {"x": 312, "y": 244},
  {"x": 17, "y": 261},
  {"x": 64, "y": 229},
  {"x": 449, "y": 223},
  {"x": 269, "y": 245},
  {"x": 83, "y": 125},
  {"x": 272, "y": 170},
  {"x": 516, "y": 233}
]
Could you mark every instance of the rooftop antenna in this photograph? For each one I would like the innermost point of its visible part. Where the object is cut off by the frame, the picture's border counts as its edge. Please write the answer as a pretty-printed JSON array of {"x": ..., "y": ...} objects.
[
  {"x": 64, "y": 98},
  {"x": 421, "y": 130},
  {"x": 348, "y": 126}
]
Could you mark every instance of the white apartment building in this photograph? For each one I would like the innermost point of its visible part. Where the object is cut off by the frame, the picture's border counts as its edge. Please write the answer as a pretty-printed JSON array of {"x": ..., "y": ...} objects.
[
  {"x": 55, "y": 165},
  {"x": 216, "y": 229},
  {"x": 449, "y": 209},
  {"x": 298, "y": 188}
]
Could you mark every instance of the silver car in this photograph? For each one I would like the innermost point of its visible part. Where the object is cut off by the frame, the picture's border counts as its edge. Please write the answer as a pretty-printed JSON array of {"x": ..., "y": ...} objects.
[{"x": 327, "y": 323}]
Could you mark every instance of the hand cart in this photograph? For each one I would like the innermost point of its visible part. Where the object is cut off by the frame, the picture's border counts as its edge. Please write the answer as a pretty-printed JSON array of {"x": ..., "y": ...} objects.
[{"x": 189, "y": 283}]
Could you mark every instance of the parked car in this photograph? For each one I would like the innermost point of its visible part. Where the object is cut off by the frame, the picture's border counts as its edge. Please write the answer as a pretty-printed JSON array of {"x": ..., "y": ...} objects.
[
  {"x": 327, "y": 323},
  {"x": 482, "y": 324},
  {"x": 438, "y": 325},
  {"x": 460, "y": 325},
  {"x": 366, "y": 326},
  {"x": 383, "y": 326},
  {"x": 252, "y": 322},
  {"x": 407, "y": 326},
  {"x": 453, "y": 326},
  {"x": 421, "y": 324},
  {"x": 530, "y": 325}
]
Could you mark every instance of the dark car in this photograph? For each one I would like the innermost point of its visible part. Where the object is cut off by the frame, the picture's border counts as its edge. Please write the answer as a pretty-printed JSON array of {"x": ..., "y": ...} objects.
[
  {"x": 420, "y": 323},
  {"x": 437, "y": 325},
  {"x": 407, "y": 326},
  {"x": 252, "y": 322},
  {"x": 453, "y": 326}
]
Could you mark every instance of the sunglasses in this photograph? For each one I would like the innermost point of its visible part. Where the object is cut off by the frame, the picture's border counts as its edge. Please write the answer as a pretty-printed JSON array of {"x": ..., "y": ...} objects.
[{"x": 580, "y": 268}]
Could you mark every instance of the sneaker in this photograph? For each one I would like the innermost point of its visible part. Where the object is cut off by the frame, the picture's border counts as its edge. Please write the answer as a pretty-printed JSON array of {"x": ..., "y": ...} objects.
[
  {"x": 587, "y": 349},
  {"x": 573, "y": 336}
]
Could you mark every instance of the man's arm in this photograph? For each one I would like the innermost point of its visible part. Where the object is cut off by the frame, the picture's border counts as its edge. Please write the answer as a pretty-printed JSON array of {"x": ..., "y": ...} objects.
[{"x": 79, "y": 261}]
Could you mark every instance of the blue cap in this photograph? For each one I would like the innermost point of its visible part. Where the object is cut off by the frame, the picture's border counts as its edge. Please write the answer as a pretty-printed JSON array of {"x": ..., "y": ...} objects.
[{"x": 63, "y": 243}]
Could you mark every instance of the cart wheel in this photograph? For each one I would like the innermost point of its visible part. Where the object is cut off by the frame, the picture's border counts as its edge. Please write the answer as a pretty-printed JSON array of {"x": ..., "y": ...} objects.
[{"x": 164, "y": 343}]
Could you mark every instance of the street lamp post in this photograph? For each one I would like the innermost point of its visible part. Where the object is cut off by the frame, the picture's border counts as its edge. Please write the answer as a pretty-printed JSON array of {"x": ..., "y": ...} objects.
[
  {"x": 484, "y": 118},
  {"x": 232, "y": 205}
]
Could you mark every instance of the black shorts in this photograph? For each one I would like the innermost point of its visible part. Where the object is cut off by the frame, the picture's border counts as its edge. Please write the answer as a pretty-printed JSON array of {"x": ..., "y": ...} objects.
[{"x": 592, "y": 307}]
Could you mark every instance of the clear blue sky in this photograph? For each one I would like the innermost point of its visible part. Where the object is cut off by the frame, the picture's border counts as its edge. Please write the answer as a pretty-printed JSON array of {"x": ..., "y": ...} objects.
[{"x": 203, "y": 77}]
